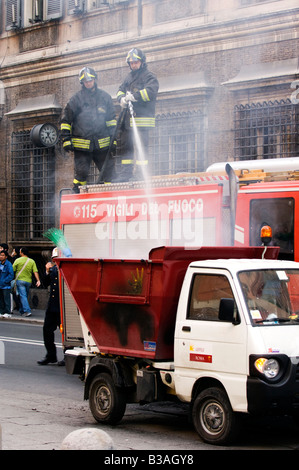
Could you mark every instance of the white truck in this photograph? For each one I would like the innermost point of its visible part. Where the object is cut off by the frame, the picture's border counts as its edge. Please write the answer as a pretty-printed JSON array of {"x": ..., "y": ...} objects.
[{"x": 216, "y": 327}]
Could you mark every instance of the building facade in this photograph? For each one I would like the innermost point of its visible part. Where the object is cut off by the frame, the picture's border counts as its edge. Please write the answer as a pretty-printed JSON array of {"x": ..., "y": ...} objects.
[{"x": 229, "y": 88}]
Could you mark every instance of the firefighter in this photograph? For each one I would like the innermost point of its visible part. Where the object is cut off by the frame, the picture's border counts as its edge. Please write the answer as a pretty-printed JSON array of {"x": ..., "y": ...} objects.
[
  {"x": 140, "y": 88},
  {"x": 87, "y": 125},
  {"x": 52, "y": 314}
]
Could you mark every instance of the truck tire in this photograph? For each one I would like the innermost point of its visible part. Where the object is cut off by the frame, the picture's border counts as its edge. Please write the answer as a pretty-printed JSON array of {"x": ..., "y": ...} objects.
[
  {"x": 213, "y": 417},
  {"x": 106, "y": 401}
]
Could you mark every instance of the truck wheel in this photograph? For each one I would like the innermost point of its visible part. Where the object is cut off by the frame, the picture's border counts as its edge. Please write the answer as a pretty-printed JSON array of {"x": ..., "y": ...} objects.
[
  {"x": 213, "y": 417},
  {"x": 107, "y": 402}
]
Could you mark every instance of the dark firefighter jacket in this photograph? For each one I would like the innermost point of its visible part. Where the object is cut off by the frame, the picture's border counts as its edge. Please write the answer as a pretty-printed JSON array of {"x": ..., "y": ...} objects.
[
  {"x": 52, "y": 280},
  {"x": 88, "y": 121},
  {"x": 144, "y": 86}
]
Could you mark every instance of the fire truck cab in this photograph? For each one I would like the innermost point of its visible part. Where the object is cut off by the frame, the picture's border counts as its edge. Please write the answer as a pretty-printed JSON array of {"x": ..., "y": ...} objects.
[
  {"x": 267, "y": 195},
  {"x": 274, "y": 204}
]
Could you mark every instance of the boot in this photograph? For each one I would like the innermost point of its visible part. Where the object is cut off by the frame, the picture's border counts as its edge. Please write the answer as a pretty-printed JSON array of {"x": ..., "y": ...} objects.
[{"x": 75, "y": 189}]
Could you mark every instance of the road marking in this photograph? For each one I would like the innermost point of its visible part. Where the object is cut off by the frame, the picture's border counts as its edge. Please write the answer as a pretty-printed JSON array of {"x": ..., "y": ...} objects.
[{"x": 32, "y": 342}]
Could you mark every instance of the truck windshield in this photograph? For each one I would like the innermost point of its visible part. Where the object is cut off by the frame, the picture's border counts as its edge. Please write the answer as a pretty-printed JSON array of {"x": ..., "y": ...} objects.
[{"x": 272, "y": 296}]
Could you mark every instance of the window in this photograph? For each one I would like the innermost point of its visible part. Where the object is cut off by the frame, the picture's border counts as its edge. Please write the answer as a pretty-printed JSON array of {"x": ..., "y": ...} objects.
[
  {"x": 23, "y": 13},
  {"x": 271, "y": 296},
  {"x": 102, "y": 3},
  {"x": 266, "y": 130},
  {"x": 76, "y": 6},
  {"x": 32, "y": 189},
  {"x": 277, "y": 212},
  {"x": 207, "y": 293},
  {"x": 176, "y": 145}
]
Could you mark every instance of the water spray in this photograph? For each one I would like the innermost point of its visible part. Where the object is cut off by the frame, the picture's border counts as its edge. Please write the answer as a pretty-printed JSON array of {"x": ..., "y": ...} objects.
[
  {"x": 137, "y": 139},
  {"x": 131, "y": 109}
]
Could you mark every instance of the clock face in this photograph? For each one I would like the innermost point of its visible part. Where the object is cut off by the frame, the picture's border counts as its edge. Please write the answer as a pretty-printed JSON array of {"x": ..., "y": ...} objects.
[
  {"x": 44, "y": 135},
  {"x": 48, "y": 135}
]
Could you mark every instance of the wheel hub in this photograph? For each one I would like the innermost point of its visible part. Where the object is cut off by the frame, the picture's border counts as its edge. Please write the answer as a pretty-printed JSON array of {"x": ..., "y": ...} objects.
[{"x": 213, "y": 418}]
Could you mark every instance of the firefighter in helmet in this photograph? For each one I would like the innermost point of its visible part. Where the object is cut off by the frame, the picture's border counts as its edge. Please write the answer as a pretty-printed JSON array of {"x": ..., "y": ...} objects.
[
  {"x": 140, "y": 88},
  {"x": 87, "y": 125}
]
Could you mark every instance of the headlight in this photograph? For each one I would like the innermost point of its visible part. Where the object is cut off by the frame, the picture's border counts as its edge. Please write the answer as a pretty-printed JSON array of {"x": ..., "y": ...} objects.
[{"x": 268, "y": 367}]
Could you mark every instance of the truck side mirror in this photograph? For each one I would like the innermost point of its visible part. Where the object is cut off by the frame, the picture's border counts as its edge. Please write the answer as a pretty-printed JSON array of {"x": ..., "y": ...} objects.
[{"x": 226, "y": 311}]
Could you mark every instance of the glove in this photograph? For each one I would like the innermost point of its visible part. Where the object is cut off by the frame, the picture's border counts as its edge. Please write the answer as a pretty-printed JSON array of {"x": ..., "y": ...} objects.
[
  {"x": 130, "y": 97},
  {"x": 68, "y": 146},
  {"x": 123, "y": 102}
]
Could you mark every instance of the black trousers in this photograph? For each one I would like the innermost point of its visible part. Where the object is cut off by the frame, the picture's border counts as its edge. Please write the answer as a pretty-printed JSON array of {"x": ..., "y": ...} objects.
[
  {"x": 52, "y": 321},
  {"x": 83, "y": 161},
  {"x": 5, "y": 301},
  {"x": 129, "y": 161}
]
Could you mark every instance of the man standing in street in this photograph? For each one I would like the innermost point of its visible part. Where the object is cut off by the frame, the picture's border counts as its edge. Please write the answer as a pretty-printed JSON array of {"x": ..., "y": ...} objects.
[
  {"x": 52, "y": 315},
  {"x": 140, "y": 88},
  {"x": 87, "y": 125},
  {"x": 6, "y": 276},
  {"x": 24, "y": 267}
]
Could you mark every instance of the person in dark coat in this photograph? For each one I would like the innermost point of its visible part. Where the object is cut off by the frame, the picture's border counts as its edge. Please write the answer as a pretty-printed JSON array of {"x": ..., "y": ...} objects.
[
  {"x": 87, "y": 127},
  {"x": 140, "y": 89},
  {"x": 52, "y": 315}
]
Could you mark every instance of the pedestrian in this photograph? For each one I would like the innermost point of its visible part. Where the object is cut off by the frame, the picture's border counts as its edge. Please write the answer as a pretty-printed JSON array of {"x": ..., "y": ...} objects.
[
  {"x": 4, "y": 246},
  {"x": 87, "y": 125},
  {"x": 15, "y": 254},
  {"x": 140, "y": 87},
  {"x": 24, "y": 267},
  {"x": 15, "y": 301},
  {"x": 52, "y": 314},
  {"x": 6, "y": 276}
]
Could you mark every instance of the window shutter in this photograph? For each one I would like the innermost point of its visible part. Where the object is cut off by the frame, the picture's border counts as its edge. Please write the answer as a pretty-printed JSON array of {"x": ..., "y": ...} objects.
[
  {"x": 54, "y": 9},
  {"x": 13, "y": 14},
  {"x": 75, "y": 4}
]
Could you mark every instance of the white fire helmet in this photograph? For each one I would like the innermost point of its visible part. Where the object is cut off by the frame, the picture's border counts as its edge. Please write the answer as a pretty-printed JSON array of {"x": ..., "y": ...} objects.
[{"x": 55, "y": 252}]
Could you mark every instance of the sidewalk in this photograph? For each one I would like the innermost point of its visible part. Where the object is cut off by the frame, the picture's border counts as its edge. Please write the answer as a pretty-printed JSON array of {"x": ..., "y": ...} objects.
[{"x": 37, "y": 316}]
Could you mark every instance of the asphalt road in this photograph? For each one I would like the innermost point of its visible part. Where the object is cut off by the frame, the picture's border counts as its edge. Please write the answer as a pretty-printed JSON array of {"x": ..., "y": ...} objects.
[{"x": 41, "y": 405}]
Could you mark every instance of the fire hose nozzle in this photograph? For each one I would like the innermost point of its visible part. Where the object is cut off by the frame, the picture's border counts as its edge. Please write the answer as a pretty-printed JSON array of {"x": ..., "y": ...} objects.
[{"x": 131, "y": 109}]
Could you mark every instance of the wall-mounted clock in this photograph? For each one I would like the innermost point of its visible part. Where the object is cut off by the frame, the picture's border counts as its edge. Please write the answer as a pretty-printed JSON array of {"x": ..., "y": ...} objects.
[{"x": 44, "y": 135}]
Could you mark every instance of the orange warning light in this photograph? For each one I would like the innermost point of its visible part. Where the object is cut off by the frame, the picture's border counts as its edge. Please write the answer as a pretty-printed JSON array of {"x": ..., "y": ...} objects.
[{"x": 266, "y": 231}]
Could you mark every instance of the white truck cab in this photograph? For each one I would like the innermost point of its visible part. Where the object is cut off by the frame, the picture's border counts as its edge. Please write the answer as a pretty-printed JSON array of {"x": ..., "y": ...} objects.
[{"x": 237, "y": 342}]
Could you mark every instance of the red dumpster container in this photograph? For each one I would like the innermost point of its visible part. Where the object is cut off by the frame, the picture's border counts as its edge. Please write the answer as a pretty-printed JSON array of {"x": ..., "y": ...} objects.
[{"x": 129, "y": 306}]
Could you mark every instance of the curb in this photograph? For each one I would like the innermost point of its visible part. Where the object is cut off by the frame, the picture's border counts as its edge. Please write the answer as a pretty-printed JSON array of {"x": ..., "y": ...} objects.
[
  {"x": 23, "y": 320},
  {"x": 19, "y": 318}
]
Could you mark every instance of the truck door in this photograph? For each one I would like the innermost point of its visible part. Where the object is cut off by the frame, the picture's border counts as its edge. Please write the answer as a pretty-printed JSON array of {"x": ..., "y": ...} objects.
[{"x": 204, "y": 339}]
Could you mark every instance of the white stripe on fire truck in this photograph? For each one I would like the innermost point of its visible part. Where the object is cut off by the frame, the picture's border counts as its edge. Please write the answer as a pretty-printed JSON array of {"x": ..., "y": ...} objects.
[{"x": 141, "y": 196}]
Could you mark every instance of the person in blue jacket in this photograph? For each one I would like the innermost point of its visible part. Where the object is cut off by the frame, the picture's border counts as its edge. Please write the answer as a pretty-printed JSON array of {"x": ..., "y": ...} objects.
[{"x": 6, "y": 276}]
